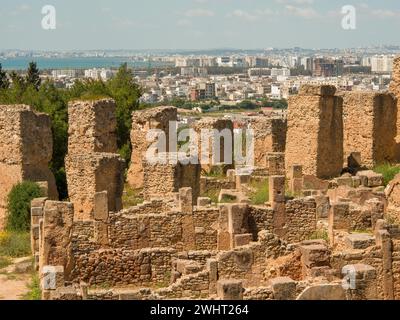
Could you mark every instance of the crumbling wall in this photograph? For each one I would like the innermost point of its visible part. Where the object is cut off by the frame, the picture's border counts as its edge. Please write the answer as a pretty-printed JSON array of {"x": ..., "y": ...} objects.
[
  {"x": 118, "y": 267},
  {"x": 26, "y": 148},
  {"x": 92, "y": 164},
  {"x": 315, "y": 131},
  {"x": 395, "y": 89},
  {"x": 90, "y": 173},
  {"x": 142, "y": 122},
  {"x": 164, "y": 179},
  {"x": 92, "y": 126},
  {"x": 212, "y": 128},
  {"x": 301, "y": 219},
  {"x": 269, "y": 136},
  {"x": 369, "y": 127}
]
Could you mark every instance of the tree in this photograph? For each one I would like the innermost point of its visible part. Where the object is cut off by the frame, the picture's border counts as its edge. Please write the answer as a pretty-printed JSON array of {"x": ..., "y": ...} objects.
[
  {"x": 126, "y": 93},
  {"x": 4, "y": 82},
  {"x": 32, "y": 77},
  {"x": 18, "y": 205}
]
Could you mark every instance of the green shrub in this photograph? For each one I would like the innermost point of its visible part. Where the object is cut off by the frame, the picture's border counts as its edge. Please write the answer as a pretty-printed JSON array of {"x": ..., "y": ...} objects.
[
  {"x": 18, "y": 205},
  {"x": 388, "y": 171},
  {"x": 260, "y": 193},
  {"x": 15, "y": 244}
]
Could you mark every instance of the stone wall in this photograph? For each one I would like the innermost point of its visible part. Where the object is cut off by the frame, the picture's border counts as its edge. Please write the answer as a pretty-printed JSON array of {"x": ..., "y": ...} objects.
[
  {"x": 369, "y": 127},
  {"x": 92, "y": 126},
  {"x": 142, "y": 122},
  {"x": 395, "y": 89},
  {"x": 26, "y": 148},
  {"x": 212, "y": 129},
  {"x": 315, "y": 131},
  {"x": 269, "y": 137},
  {"x": 90, "y": 173},
  {"x": 92, "y": 164},
  {"x": 117, "y": 267},
  {"x": 164, "y": 179}
]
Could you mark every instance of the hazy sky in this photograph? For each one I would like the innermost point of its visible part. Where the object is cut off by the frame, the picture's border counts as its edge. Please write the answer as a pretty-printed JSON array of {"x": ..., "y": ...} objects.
[{"x": 197, "y": 24}]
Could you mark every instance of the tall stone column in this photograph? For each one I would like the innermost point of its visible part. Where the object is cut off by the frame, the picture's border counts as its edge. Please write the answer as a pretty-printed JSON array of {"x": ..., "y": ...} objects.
[
  {"x": 315, "y": 131},
  {"x": 93, "y": 164},
  {"x": 26, "y": 148}
]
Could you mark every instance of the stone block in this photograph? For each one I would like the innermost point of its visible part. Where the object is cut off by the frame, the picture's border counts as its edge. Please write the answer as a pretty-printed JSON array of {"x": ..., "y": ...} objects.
[
  {"x": 315, "y": 255},
  {"x": 313, "y": 90},
  {"x": 284, "y": 288},
  {"x": 230, "y": 289},
  {"x": 370, "y": 179},
  {"x": 186, "y": 200},
  {"x": 243, "y": 239},
  {"x": 52, "y": 277},
  {"x": 277, "y": 189},
  {"x": 203, "y": 202},
  {"x": 359, "y": 241},
  {"x": 100, "y": 210}
]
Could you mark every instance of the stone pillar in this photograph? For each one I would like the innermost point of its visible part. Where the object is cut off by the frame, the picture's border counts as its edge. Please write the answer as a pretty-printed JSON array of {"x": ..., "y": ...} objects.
[
  {"x": 277, "y": 201},
  {"x": 163, "y": 179},
  {"x": 242, "y": 178},
  {"x": 230, "y": 289},
  {"x": 276, "y": 164},
  {"x": 395, "y": 89},
  {"x": 100, "y": 215},
  {"x": 369, "y": 124},
  {"x": 163, "y": 119},
  {"x": 269, "y": 137},
  {"x": 383, "y": 239},
  {"x": 93, "y": 164},
  {"x": 233, "y": 221},
  {"x": 315, "y": 131},
  {"x": 338, "y": 219},
  {"x": 52, "y": 278},
  {"x": 361, "y": 282},
  {"x": 37, "y": 210},
  {"x": 212, "y": 267},
  {"x": 212, "y": 132},
  {"x": 26, "y": 148},
  {"x": 55, "y": 236},
  {"x": 186, "y": 200},
  {"x": 296, "y": 179}
]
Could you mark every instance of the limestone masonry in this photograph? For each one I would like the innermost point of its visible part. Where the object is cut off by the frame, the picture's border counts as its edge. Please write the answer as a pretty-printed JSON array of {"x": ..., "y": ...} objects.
[
  {"x": 315, "y": 131},
  {"x": 311, "y": 220},
  {"x": 26, "y": 148}
]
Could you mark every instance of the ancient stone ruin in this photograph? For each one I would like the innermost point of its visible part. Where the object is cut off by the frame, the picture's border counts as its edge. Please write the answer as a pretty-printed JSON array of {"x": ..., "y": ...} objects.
[
  {"x": 26, "y": 149},
  {"x": 370, "y": 128},
  {"x": 143, "y": 121},
  {"x": 93, "y": 164},
  {"x": 326, "y": 228},
  {"x": 315, "y": 131}
]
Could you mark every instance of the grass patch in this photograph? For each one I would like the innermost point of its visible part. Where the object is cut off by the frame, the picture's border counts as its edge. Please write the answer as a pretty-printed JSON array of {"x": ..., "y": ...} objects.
[
  {"x": 213, "y": 194},
  {"x": 131, "y": 197},
  {"x": 319, "y": 234},
  {"x": 388, "y": 171},
  {"x": 215, "y": 172},
  {"x": 4, "y": 262},
  {"x": 15, "y": 244},
  {"x": 228, "y": 199},
  {"x": 34, "y": 292},
  {"x": 260, "y": 193}
]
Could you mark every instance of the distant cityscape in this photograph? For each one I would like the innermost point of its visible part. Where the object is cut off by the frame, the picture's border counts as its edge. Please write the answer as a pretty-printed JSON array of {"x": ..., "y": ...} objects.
[{"x": 227, "y": 75}]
